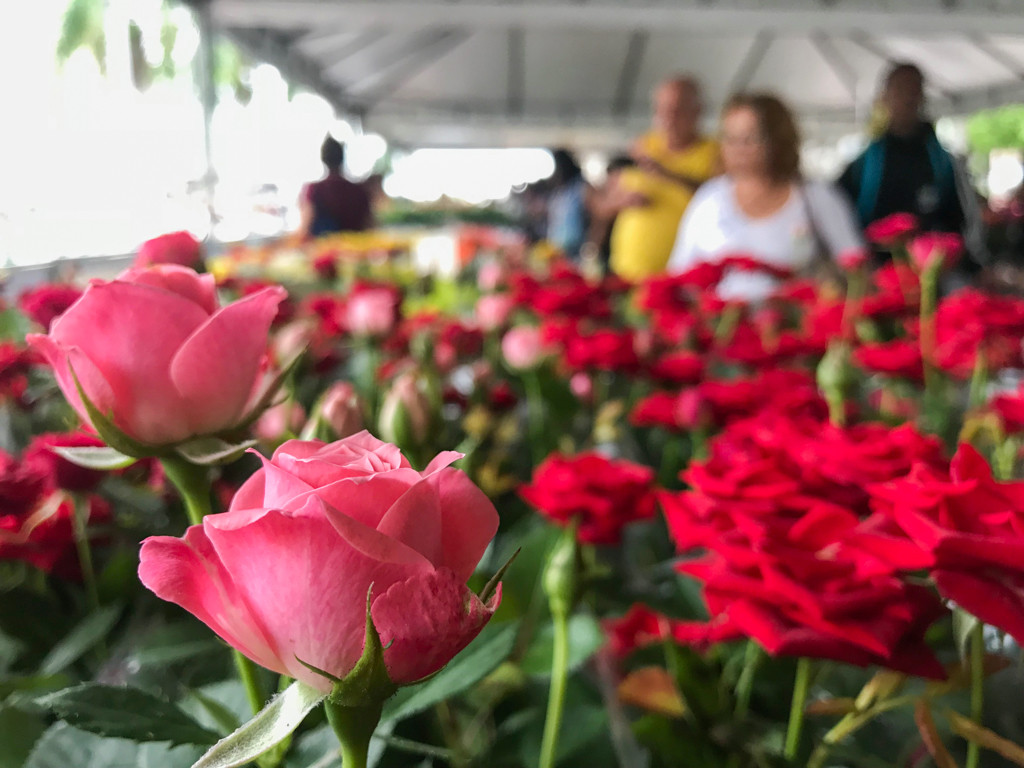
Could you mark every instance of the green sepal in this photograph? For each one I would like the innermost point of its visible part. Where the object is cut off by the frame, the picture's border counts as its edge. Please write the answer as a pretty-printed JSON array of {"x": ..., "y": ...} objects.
[
  {"x": 212, "y": 451},
  {"x": 96, "y": 457},
  {"x": 368, "y": 683},
  {"x": 492, "y": 584},
  {"x": 267, "y": 398},
  {"x": 105, "y": 428}
]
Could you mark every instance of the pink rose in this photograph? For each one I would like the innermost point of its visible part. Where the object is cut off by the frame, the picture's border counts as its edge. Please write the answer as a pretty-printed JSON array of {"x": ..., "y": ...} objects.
[
  {"x": 522, "y": 347},
  {"x": 371, "y": 312},
  {"x": 283, "y": 575},
  {"x": 935, "y": 245},
  {"x": 492, "y": 311},
  {"x": 179, "y": 248},
  {"x": 155, "y": 353},
  {"x": 490, "y": 276}
]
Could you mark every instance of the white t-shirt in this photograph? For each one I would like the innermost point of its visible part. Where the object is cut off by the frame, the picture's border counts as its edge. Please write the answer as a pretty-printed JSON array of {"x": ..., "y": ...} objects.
[{"x": 714, "y": 227}]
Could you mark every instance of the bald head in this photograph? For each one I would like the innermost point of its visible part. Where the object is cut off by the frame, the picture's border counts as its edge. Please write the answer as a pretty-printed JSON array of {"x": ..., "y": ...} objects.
[{"x": 677, "y": 106}]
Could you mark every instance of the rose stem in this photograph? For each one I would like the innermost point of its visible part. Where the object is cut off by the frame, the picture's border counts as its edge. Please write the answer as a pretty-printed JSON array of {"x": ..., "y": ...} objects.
[
  {"x": 977, "y": 689},
  {"x": 354, "y": 727},
  {"x": 745, "y": 685},
  {"x": 193, "y": 485},
  {"x": 80, "y": 520},
  {"x": 796, "y": 711},
  {"x": 556, "y": 696}
]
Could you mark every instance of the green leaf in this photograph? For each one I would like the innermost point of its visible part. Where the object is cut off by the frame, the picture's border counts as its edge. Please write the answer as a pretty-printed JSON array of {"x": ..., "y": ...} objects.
[
  {"x": 963, "y": 624},
  {"x": 14, "y": 326},
  {"x": 65, "y": 747},
  {"x": 126, "y": 713},
  {"x": 211, "y": 451},
  {"x": 19, "y": 731},
  {"x": 94, "y": 457},
  {"x": 87, "y": 633},
  {"x": 585, "y": 638},
  {"x": 273, "y": 724},
  {"x": 481, "y": 657}
]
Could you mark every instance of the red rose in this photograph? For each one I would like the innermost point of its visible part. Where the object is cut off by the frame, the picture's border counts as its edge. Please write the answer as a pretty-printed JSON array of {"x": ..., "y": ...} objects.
[
  {"x": 604, "y": 495},
  {"x": 969, "y": 529},
  {"x": 44, "y": 303},
  {"x": 640, "y": 626},
  {"x": 1010, "y": 409},
  {"x": 892, "y": 229},
  {"x": 63, "y": 473},
  {"x": 605, "y": 350},
  {"x": 679, "y": 368},
  {"x": 900, "y": 357}
]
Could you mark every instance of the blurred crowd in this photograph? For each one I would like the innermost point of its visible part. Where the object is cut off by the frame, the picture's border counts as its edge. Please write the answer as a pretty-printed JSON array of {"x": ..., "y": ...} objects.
[{"x": 678, "y": 198}]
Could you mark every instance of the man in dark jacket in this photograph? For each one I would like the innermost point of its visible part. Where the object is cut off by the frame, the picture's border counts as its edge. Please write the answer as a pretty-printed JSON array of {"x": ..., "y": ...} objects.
[{"x": 906, "y": 170}]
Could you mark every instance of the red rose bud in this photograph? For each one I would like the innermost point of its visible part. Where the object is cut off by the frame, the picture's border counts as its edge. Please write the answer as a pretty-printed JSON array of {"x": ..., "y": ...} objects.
[
  {"x": 852, "y": 259},
  {"x": 891, "y": 230}
]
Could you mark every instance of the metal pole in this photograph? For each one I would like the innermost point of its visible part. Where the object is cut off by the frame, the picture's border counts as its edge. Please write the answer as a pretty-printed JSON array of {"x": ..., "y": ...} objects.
[{"x": 207, "y": 95}]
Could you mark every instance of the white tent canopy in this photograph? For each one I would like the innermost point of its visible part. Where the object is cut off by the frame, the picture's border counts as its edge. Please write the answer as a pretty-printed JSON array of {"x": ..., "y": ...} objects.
[{"x": 526, "y": 72}]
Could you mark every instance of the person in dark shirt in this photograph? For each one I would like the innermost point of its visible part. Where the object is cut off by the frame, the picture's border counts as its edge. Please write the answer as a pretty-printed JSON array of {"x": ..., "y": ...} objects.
[
  {"x": 906, "y": 170},
  {"x": 335, "y": 204}
]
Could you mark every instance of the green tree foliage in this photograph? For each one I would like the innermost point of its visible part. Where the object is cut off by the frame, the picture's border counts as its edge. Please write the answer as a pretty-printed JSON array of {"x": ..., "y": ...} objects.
[{"x": 1001, "y": 128}]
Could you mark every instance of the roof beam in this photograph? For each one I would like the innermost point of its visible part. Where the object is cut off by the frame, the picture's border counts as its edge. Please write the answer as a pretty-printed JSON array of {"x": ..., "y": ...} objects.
[
  {"x": 515, "y": 93},
  {"x": 631, "y": 66},
  {"x": 335, "y": 48},
  {"x": 335, "y": 63},
  {"x": 751, "y": 62},
  {"x": 655, "y": 15},
  {"x": 264, "y": 46},
  {"x": 430, "y": 45},
  {"x": 861, "y": 39},
  {"x": 1011, "y": 65},
  {"x": 843, "y": 71}
]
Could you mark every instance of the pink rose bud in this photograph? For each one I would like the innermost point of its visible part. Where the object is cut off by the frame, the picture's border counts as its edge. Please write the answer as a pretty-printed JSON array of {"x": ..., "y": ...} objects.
[
  {"x": 492, "y": 311},
  {"x": 341, "y": 409},
  {"x": 405, "y": 413},
  {"x": 291, "y": 339},
  {"x": 935, "y": 245},
  {"x": 852, "y": 259},
  {"x": 522, "y": 347},
  {"x": 489, "y": 277},
  {"x": 283, "y": 575},
  {"x": 179, "y": 248},
  {"x": 892, "y": 229},
  {"x": 371, "y": 312},
  {"x": 582, "y": 386},
  {"x": 155, "y": 353},
  {"x": 280, "y": 422}
]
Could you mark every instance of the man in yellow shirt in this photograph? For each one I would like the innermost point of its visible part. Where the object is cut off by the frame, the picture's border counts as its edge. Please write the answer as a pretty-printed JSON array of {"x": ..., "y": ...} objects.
[{"x": 672, "y": 160}]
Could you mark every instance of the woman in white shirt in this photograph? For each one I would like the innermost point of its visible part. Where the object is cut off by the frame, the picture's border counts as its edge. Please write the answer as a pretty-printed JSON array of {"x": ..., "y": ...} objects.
[{"x": 761, "y": 208}]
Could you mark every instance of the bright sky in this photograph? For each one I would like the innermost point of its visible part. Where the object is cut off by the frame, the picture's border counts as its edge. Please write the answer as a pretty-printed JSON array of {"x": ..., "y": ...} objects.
[{"x": 89, "y": 165}]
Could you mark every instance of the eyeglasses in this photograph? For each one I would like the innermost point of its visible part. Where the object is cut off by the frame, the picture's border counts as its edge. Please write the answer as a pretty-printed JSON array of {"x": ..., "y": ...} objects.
[{"x": 747, "y": 140}]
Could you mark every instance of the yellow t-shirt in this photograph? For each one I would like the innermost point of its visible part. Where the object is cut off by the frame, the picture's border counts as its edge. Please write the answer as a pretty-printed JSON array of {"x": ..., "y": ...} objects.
[{"x": 642, "y": 237}]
